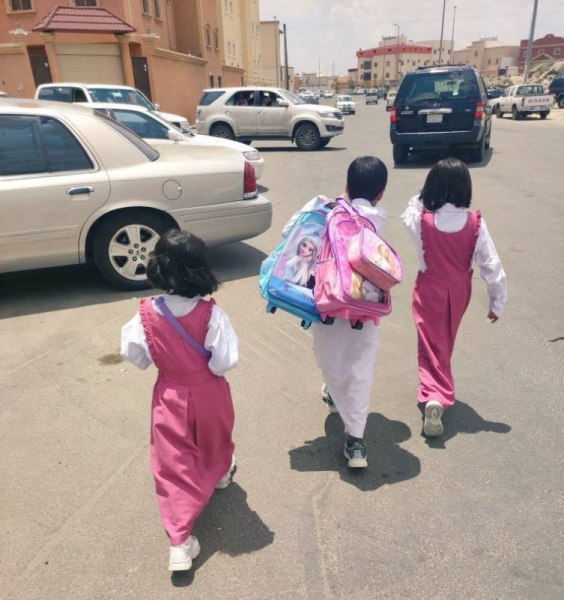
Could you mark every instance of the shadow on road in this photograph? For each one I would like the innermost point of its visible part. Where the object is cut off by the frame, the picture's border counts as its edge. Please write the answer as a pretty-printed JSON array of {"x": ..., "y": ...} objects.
[
  {"x": 290, "y": 148},
  {"x": 387, "y": 462},
  {"x": 228, "y": 525},
  {"x": 47, "y": 290},
  {"x": 462, "y": 418},
  {"x": 425, "y": 160}
]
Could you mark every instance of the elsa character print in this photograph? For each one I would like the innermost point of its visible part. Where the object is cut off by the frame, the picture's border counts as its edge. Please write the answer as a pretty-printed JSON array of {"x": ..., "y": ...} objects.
[{"x": 300, "y": 270}]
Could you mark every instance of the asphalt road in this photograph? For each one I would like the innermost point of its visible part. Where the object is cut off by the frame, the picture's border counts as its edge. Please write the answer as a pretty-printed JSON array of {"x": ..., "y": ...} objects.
[{"x": 476, "y": 516}]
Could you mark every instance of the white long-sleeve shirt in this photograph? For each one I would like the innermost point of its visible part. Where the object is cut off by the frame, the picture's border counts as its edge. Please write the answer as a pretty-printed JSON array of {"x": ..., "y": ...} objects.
[
  {"x": 450, "y": 219},
  {"x": 221, "y": 339}
]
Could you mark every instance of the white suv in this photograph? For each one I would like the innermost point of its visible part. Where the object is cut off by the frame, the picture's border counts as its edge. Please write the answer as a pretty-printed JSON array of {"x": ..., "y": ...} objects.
[
  {"x": 89, "y": 93},
  {"x": 247, "y": 114}
]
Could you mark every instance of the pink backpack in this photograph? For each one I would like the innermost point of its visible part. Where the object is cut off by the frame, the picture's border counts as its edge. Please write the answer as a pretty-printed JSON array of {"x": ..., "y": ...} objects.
[{"x": 341, "y": 291}]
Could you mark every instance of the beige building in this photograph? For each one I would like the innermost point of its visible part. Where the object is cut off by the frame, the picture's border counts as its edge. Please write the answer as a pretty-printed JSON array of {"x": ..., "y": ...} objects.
[
  {"x": 270, "y": 52},
  {"x": 488, "y": 56}
]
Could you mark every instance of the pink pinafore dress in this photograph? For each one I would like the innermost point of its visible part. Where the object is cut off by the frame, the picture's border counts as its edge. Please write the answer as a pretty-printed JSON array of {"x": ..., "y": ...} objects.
[
  {"x": 192, "y": 419},
  {"x": 440, "y": 299}
]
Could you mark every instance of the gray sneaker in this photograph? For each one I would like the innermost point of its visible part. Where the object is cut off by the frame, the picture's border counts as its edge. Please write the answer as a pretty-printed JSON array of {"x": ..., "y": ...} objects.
[
  {"x": 356, "y": 454},
  {"x": 432, "y": 424},
  {"x": 328, "y": 400}
]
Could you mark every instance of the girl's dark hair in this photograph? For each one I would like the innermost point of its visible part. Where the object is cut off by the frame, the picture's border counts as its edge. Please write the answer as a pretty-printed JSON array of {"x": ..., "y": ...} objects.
[
  {"x": 181, "y": 265},
  {"x": 447, "y": 182},
  {"x": 367, "y": 178}
]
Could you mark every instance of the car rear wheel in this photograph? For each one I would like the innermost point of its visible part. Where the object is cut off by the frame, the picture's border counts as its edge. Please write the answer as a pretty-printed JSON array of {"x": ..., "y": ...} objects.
[
  {"x": 561, "y": 102},
  {"x": 307, "y": 137},
  {"x": 479, "y": 151},
  {"x": 515, "y": 114},
  {"x": 400, "y": 154},
  {"x": 222, "y": 131},
  {"x": 122, "y": 247},
  {"x": 498, "y": 112},
  {"x": 544, "y": 114}
]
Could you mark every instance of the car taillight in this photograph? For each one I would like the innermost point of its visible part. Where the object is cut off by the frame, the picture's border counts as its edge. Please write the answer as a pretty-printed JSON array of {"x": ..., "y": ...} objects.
[
  {"x": 393, "y": 114},
  {"x": 479, "y": 114},
  {"x": 250, "y": 182}
]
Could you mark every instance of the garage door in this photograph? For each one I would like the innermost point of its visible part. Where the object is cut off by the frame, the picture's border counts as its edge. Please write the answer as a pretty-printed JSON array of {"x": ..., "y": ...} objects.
[{"x": 90, "y": 63}]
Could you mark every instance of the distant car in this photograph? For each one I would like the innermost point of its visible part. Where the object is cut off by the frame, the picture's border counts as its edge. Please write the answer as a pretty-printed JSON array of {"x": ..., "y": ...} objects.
[
  {"x": 441, "y": 107},
  {"x": 78, "y": 187},
  {"x": 358, "y": 91},
  {"x": 390, "y": 100},
  {"x": 382, "y": 93},
  {"x": 3, "y": 95},
  {"x": 556, "y": 88},
  {"x": 87, "y": 93},
  {"x": 157, "y": 131},
  {"x": 371, "y": 97},
  {"x": 346, "y": 104},
  {"x": 264, "y": 113},
  {"x": 328, "y": 94}
]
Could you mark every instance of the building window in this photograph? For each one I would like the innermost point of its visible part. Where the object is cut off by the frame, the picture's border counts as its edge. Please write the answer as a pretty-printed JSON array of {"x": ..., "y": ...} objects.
[
  {"x": 475, "y": 53},
  {"x": 86, "y": 2},
  {"x": 497, "y": 61},
  {"x": 226, "y": 5},
  {"x": 211, "y": 81},
  {"x": 556, "y": 51},
  {"x": 20, "y": 5},
  {"x": 367, "y": 65},
  {"x": 229, "y": 48},
  {"x": 146, "y": 7},
  {"x": 489, "y": 61},
  {"x": 208, "y": 35},
  {"x": 387, "y": 75},
  {"x": 387, "y": 63},
  {"x": 216, "y": 38},
  {"x": 158, "y": 9},
  {"x": 219, "y": 81},
  {"x": 234, "y": 52}
]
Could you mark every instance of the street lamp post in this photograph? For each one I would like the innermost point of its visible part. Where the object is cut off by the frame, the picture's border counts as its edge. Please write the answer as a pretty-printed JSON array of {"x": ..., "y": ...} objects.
[
  {"x": 442, "y": 32},
  {"x": 452, "y": 38},
  {"x": 283, "y": 32},
  {"x": 530, "y": 43},
  {"x": 398, "y": 54}
]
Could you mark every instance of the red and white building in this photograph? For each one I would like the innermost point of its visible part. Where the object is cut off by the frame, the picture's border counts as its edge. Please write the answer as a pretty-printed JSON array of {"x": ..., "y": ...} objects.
[{"x": 546, "y": 48}]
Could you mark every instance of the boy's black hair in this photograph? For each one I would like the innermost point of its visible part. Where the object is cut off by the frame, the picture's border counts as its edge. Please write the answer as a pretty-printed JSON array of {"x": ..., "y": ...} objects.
[
  {"x": 181, "y": 265},
  {"x": 448, "y": 181},
  {"x": 367, "y": 178}
]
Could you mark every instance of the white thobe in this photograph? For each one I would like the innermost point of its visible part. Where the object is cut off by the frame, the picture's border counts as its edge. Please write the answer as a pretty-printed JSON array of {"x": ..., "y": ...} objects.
[
  {"x": 450, "y": 219},
  {"x": 221, "y": 340},
  {"x": 347, "y": 356}
]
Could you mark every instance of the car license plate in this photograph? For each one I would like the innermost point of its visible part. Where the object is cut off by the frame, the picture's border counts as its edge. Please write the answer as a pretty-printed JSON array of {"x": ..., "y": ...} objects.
[{"x": 435, "y": 118}]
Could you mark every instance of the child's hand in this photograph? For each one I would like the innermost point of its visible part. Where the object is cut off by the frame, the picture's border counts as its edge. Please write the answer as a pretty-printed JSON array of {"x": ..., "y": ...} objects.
[{"x": 492, "y": 317}]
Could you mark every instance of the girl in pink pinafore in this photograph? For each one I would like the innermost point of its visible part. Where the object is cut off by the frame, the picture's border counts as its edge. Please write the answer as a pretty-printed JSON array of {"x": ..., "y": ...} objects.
[
  {"x": 448, "y": 239},
  {"x": 192, "y": 344}
]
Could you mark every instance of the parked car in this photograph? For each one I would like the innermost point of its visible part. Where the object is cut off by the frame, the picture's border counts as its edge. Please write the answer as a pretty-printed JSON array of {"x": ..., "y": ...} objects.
[
  {"x": 390, "y": 100},
  {"x": 371, "y": 97},
  {"x": 77, "y": 187},
  {"x": 441, "y": 107},
  {"x": 523, "y": 100},
  {"x": 262, "y": 113},
  {"x": 346, "y": 105},
  {"x": 87, "y": 93},
  {"x": 3, "y": 95},
  {"x": 157, "y": 131},
  {"x": 358, "y": 91},
  {"x": 556, "y": 88},
  {"x": 328, "y": 94}
]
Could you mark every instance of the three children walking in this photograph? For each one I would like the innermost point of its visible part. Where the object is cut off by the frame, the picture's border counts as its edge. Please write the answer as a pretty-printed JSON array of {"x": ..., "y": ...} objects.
[{"x": 192, "y": 343}]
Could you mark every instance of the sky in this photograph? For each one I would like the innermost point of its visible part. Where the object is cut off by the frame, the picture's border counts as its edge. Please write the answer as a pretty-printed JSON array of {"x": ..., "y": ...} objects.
[{"x": 331, "y": 31}]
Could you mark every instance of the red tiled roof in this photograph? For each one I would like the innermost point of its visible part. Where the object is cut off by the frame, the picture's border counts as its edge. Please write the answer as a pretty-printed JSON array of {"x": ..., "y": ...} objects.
[
  {"x": 401, "y": 49},
  {"x": 74, "y": 19}
]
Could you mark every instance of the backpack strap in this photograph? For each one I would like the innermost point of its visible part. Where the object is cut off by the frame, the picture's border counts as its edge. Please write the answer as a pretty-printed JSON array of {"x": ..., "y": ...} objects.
[{"x": 160, "y": 302}]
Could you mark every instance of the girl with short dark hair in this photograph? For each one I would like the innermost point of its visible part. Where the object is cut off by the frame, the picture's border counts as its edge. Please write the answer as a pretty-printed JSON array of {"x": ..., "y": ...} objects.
[
  {"x": 192, "y": 344},
  {"x": 448, "y": 238}
]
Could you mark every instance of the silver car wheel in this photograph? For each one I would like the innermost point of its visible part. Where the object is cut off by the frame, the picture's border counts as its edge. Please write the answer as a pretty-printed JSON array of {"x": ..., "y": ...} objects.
[
  {"x": 307, "y": 137},
  {"x": 129, "y": 251}
]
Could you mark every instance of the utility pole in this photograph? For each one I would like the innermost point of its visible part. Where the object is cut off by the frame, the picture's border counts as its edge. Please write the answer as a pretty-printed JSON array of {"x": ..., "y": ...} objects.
[
  {"x": 287, "y": 86},
  {"x": 530, "y": 44},
  {"x": 442, "y": 32},
  {"x": 398, "y": 55},
  {"x": 452, "y": 38}
]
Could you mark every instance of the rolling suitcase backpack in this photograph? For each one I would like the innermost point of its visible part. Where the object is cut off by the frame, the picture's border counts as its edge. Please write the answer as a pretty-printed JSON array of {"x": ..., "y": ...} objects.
[
  {"x": 355, "y": 270},
  {"x": 287, "y": 276}
]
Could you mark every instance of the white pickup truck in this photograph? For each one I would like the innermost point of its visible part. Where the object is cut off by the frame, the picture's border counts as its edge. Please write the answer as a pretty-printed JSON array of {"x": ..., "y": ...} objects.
[{"x": 523, "y": 100}]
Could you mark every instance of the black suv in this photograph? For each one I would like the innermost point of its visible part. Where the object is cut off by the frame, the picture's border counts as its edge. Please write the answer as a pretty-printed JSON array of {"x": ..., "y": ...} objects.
[
  {"x": 441, "y": 107},
  {"x": 556, "y": 87}
]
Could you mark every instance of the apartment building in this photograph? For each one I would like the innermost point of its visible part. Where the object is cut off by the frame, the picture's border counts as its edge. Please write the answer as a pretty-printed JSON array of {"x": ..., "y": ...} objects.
[
  {"x": 390, "y": 61},
  {"x": 488, "y": 56},
  {"x": 549, "y": 47},
  {"x": 169, "y": 50}
]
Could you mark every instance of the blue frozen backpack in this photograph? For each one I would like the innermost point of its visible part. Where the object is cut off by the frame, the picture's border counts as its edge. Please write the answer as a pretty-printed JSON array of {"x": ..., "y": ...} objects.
[{"x": 287, "y": 276}]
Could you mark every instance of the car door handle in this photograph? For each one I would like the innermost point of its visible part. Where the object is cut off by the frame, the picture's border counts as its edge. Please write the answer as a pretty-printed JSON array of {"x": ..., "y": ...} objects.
[
  {"x": 261, "y": 112},
  {"x": 76, "y": 191}
]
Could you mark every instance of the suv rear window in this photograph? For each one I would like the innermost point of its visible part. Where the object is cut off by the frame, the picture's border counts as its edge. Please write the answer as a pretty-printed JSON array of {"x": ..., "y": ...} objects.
[
  {"x": 62, "y": 94},
  {"x": 444, "y": 86},
  {"x": 210, "y": 97}
]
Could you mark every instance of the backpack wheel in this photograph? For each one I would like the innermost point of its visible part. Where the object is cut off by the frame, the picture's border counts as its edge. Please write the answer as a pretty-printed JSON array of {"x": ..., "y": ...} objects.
[
  {"x": 306, "y": 324},
  {"x": 271, "y": 309},
  {"x": 328, "y": 320},
  {"x": 358, "y": 325}
]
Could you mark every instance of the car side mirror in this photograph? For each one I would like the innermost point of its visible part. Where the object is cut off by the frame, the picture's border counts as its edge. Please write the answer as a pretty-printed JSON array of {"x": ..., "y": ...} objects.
[
  {"x": 283, "y": 103},
  {"x": 175, "y": 136}
]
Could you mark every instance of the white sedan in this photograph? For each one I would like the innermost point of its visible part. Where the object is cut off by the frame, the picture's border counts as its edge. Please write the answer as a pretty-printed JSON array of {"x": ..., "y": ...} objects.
[
  {"x": 157, "y": 131},
  {"x": 77, "y": 186},
  {"x": 346, "y": 104}
]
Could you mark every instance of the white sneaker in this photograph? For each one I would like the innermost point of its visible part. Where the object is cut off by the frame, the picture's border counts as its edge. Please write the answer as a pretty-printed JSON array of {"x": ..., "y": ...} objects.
[
  {"x": 180, "y": 557},
  {"x": 328, "y": 400},
  {"x": 432, "y": 425},
  {"x": 228, "y": 477}
]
